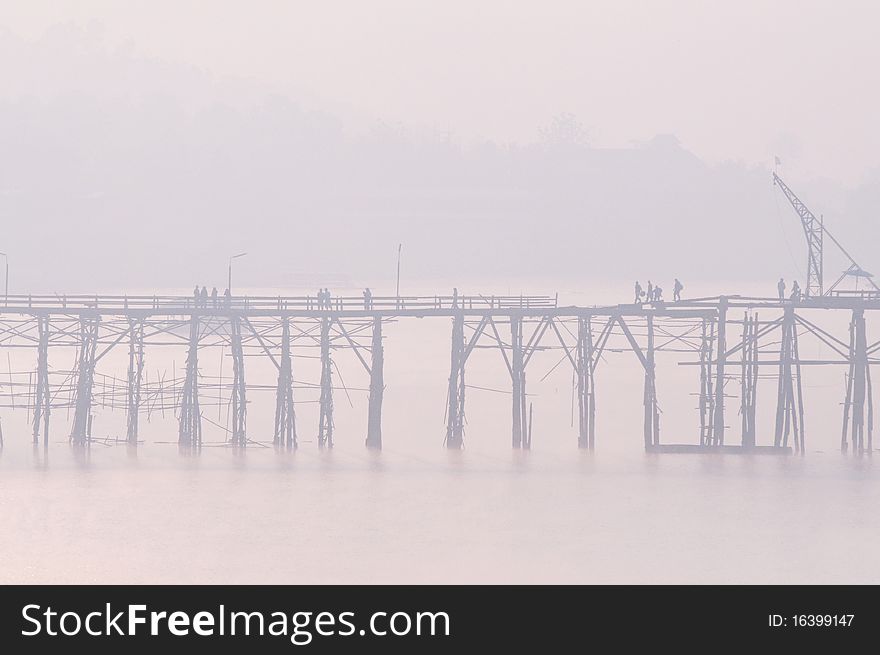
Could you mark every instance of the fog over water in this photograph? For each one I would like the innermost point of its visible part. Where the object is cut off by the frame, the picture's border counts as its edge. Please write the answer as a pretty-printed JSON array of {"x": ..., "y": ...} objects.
[{"x": 418, "y": 513}]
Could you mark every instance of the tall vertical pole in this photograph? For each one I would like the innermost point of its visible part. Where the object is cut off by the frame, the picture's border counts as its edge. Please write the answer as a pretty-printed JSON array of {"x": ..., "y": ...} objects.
[
  {"x": 239, "y": 399},
  {"x": 42, "y": 397},
  {"x": 652, "y": 414},
  {"x": 325, "y": 420},
  {"x": 88, "y": 331},
  {"x": 455, "y": 394},
  {"x": 190, "y": 425},
  {"x": 285, "y": 418},
  {"x": 518, "y": 381},
  {"x": 377, "y": 388},
  {"x": 135, "y": 376},
  {"x": 585, "y": 391},
  {"x": 749, "y": 380},
  {"x": 720, "y": 361},
  {"x": 857, "y": 387}
]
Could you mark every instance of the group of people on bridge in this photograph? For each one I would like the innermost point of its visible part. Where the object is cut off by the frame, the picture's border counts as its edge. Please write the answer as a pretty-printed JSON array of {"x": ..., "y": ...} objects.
[
  {"x": 655, "y": 294},
  {"x": 200, "y": 298},
  {"x": 795, "y": 290}
]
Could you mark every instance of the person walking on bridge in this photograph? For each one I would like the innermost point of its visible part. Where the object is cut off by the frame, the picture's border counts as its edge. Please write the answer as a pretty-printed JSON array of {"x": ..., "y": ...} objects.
[
  {"x": 214, "y": 297},
  {"x": 204, "y": 297},
  {"x": 639, "y": 292},
  {"x": 649, "y": 295},
  {"x": 368, "y": 298},
  {"x": 795, "y": 291},
  {"x": 780, "y": 288},
  {"x": 196, "y": 297},
  {"x": 676, "y": 290}
]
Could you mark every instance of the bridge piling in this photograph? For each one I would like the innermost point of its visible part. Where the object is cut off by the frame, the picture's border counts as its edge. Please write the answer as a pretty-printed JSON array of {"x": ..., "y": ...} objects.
[
  {"x": 325, "y": 420},
  {"x": 85, "y": 373},
  {"x": 455, "y": 395},
  {"x": 285, "y": 417},
  {"x": 377, "y": 388},
  {"x": 42, "y": 397},
  {"x": 239, "y": 396},
  {"x": 135, "y": 378},
  {"x": 190, "y": 425}
]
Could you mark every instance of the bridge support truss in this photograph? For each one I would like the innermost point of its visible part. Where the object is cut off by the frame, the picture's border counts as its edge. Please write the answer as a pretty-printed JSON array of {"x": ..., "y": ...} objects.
[
  {"x": 81, "y": 432},
  {"x": 285, "y": 417},
  {"x": 190, "y": 424},
  {"x": 325, "y": 419}
]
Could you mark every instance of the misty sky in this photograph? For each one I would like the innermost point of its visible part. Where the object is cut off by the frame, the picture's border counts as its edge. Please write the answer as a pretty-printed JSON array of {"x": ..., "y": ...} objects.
[
  {"x": 741, "y": 80},
  {"x": 496, "y": 139}
]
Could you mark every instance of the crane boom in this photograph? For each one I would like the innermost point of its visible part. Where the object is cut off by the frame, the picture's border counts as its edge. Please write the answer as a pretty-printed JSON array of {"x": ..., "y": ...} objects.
[{"x": 813, "y": 230}]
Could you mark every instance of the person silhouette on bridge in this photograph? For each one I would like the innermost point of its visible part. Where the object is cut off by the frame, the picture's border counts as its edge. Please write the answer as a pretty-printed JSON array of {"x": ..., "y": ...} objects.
[
  {"x": 227, "y": 298},
  {"x": 368, "y": 298},
  {"x": 658, "y": 294},
  {"x": 204, "y": 297},
  {"x": 649, "y": 295},
  {"x": 196, "y": 297},
  {"x": 214, "y": 297},
  {"x": 676, "y": 290},
  {"x": 780, "y": 288},
  {"x": 795, "y": 291},
  {"x": 327, "y": 303},
  {"x": 639, "y": 292}
]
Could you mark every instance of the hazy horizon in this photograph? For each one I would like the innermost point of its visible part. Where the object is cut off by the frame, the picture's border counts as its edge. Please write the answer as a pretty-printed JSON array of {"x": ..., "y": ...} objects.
[{"x": 318, "y": 138}]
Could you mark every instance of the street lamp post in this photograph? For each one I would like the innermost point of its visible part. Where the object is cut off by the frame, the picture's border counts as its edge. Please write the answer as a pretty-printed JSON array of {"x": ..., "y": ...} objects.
[
  {"x": 229, "y": 283},
  {"x": 6, "y": 280}
]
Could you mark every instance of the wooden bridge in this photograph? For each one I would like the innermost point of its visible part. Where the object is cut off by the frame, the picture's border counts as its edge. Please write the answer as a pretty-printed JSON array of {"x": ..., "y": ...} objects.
[{"x": 728, "y": 338}]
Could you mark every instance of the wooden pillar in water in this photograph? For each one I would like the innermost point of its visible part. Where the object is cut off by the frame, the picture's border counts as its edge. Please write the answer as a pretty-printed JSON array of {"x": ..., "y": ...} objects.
[
  {"x": 455, "y": 393},
  {"x": 720, "y": 362},
  {"x": 789, "y": 399},
  {"x": 858, "y": 401},
  {"x": 517, "y": 366},
  {"x": 85, "y": 375},
  {"x": 585, "y": 391},
  {"x": 190, "y": 424},
  {"x": 652, "y": 412},
  {"x": 239, "y": 397},
  {"x": 377, "y": 388},
  {"x": 135, "y": 377},
  {"x": 42, "y": 397},
  {"x": 749, "y": 379},
  {"x": 285, "y": 418},
  {"x": 325, "y": 420},
  {"x": 707, "y": 395}
]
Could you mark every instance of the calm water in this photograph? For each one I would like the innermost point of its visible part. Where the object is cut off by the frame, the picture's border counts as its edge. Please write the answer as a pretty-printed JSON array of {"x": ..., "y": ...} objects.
[
  {"x": 347, "y": 516},
  {"x": 416, "y": 513}
]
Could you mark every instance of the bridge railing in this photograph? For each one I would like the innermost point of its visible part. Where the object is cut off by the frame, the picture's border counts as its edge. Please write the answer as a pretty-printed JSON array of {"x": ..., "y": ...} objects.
[{"x": 167, "y": 303}]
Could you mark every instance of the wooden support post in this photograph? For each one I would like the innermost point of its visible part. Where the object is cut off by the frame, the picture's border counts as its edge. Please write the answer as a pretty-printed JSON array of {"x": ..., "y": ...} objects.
[
  {"x": 325, "y": 420},
  {"x": 377, "y": 388},
  {"x": 707, "y": 397},
  {"x": 519, "y": 381},
  {"x": 285, "y": 418},
  {"x": 190, "y": 424},
  {"x": 42, "y": 397},
  {"x": 135, "y": 376},
  {"x": 858, "y": 398},
  {"x": 455, "y": 395},
  {"x": 652, "y": 412},
  {"x": 85, "y": 376},
  {"x": 720, "y": 361},
  {"x": 749, "y": 379},
  {"x": 789, "y": 397},
  {"x": 239, "y": 398},
  {"x": 585, "y": 390}
]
